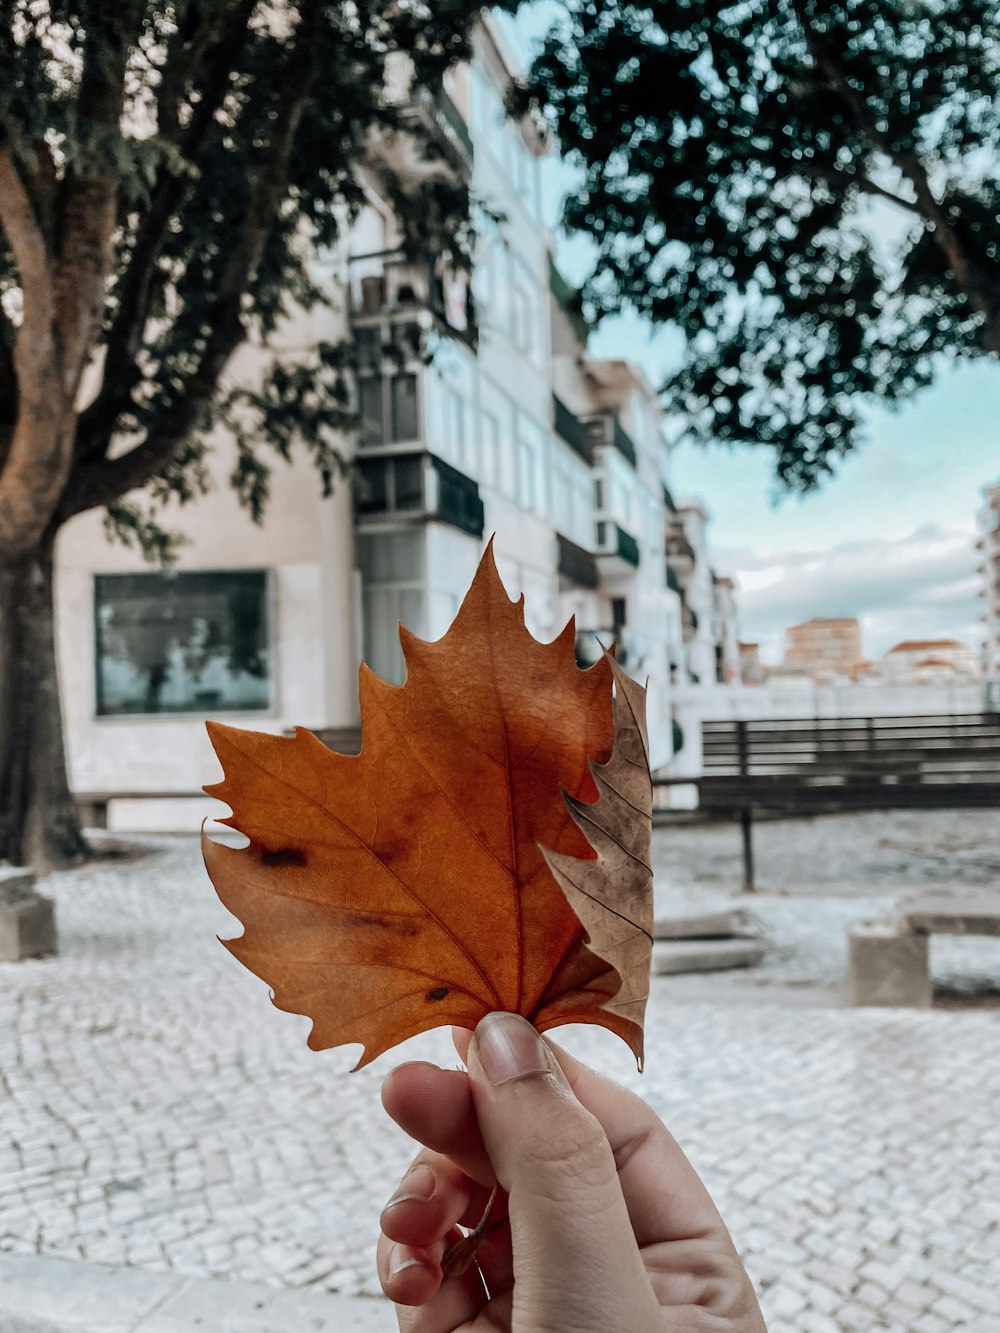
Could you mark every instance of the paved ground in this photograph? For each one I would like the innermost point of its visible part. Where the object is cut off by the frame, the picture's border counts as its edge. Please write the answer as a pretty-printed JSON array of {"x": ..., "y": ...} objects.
[{"x": 156, "y": 1110}]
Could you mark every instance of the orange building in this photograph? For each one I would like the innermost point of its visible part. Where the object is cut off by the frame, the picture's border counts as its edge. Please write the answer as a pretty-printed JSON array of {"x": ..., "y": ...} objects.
[{"x": 826, "y": 648}]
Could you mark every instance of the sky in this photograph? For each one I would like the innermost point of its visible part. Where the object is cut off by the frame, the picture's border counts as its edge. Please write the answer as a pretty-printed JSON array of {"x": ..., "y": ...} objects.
[{"x": 889, "y": 538}]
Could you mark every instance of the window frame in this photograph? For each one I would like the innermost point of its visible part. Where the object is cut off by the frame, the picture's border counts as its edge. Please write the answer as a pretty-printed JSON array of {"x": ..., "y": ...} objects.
[{"x": 269, "y": 603}]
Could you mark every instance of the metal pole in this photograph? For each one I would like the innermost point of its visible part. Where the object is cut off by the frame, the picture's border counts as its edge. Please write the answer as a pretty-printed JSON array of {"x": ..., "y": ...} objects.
[{"x": 746, "y": 829}]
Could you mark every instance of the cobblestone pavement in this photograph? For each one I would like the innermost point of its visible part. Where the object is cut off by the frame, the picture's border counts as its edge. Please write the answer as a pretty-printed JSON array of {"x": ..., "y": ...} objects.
[{"x": 157, "y": 1111}]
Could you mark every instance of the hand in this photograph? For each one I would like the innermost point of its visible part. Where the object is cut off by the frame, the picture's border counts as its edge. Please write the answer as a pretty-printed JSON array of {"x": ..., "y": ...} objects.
[{"x": 603, "y": 1226}]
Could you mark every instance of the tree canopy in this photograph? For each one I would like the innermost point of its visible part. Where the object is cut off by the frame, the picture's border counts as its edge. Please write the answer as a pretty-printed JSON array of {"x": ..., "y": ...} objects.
[
  {"x": 809, "y": 189},
  {"x": 168, "y": 168}
]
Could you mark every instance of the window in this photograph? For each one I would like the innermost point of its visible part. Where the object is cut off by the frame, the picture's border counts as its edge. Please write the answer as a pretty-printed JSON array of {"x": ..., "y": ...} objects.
[
  {"x": 182, "y": 643},
  {"x": 526, "y": 310},
  {"x": 388, "y": 484},
  {"x": 370, "y": 407},
  {"x": 405, "y": 423},
  {"x": 409, "y": 478},
  {"x": 508, "y": 451},
  {"x": 531, "y": 463},
  {"x": 490, "y": 443},
  {"x": 392, "y": 570},
  {"x": 526, "y": 475}
]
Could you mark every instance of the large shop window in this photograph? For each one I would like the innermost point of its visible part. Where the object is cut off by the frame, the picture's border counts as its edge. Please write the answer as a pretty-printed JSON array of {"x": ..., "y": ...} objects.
[{"x": 182, "y": 643}]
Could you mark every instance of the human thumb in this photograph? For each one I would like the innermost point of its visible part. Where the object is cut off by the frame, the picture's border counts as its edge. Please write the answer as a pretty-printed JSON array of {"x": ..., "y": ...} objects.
[{"x": 576, "y": 1262}]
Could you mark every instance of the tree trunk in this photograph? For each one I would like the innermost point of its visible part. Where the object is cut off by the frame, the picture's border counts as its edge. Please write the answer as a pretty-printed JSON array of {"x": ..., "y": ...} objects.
[{"x": 39, "y": 825}]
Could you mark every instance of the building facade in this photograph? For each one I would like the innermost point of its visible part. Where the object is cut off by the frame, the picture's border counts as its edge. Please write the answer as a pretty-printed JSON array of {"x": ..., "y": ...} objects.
[
  {"x": 930, "y": 662},
  {"x": 480, "y": 413},
  {"x": 988, "y": 546},
  {"x": 826, "y": 649},
  {"x": 708, "y": 610}
]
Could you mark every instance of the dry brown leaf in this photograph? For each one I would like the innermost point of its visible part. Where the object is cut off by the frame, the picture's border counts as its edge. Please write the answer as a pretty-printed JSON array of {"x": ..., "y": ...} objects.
[
  {"x": 613, "y": 895},
  {"x": 405, "y": 888}
]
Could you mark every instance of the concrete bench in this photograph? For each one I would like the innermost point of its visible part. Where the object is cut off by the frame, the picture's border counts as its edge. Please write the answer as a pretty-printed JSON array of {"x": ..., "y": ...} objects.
[
  {"x": 27, "y": 919},
  {"x": 705, "y": 942},
  {"x": 889, "y": 958}
]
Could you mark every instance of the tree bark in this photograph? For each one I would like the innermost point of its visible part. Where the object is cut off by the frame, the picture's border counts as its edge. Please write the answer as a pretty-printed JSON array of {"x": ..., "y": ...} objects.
[{"x": 39, "y": 825}]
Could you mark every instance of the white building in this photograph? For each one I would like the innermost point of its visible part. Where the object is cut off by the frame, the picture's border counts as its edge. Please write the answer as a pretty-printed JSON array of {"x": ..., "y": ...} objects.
[
  {"x": 988, "y": 545},
  {"x": 481, "y": 413},
  {"x": 930, "y": 662},
  {"x": 707, "y": 600}
]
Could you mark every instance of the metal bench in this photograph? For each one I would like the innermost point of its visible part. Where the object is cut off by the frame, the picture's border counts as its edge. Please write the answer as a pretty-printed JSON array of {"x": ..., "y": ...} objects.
[{"x": 803, "y": 766}]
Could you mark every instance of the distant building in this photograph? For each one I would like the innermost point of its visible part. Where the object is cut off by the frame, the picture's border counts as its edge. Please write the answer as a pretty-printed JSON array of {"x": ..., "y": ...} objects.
[
  {"x": 751, "y": 670},
  {"x": 724, "y": 631},
  {"x": 827, "y": 649},
  {"x": 707, "y": 602},
  {"x": 930, "y": 662},
  {"x": 988, "y": 543}
]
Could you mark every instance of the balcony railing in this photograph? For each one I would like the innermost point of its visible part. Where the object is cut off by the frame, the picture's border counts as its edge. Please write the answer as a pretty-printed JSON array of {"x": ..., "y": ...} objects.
[
  {"x": 571, "y": 429},
  {"x": 418, "y": 486},
  {"x": 614, "y": 542},
  {"x": 576, "y": 564},
  {"x": 389, "y": 286},
  {"x": 438, "y": 112},
  {"x": 458, "y": 500},
  {"x": 606, "y": 429}
]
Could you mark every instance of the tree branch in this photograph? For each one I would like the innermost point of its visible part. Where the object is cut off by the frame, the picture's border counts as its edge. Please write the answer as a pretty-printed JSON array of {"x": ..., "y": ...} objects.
[
  {"x": 96, "y": 426},
  {"x": 973, "y": 281},
  {"x": 846, "y": 180},
  {"x": 101, "y": 481}
]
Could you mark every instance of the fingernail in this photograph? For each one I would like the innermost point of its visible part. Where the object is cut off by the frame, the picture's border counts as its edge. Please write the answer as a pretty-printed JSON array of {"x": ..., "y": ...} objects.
[
  {"x": 398, "y": 1262},
  {"x": 509, "y": 1047},
  {"x": 418, "y": 1183}
]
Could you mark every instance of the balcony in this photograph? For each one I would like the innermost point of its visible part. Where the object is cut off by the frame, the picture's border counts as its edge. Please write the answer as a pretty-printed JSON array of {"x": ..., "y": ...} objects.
[
  {"x": 437, "y": 116},
  {"x": 430, "y": 138},
  {"x": 401, "y": 299},
  {"x": 680, "y": 556},
  {"x": 617, "y": 550},
  {"x": 606, "y": 429},
  {"x": 573, "y": 431},
  {"x": 417, "y": 487},
  {"x": 577, "y": 567}
]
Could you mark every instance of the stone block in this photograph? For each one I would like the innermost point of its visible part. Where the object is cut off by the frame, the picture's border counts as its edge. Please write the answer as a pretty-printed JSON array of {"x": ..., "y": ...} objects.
[
  {"x": 703, "y": 926},
  {"x": 675, "y": 956},
  {"x": 27, "y": 920},
  {"x": 15, "y": 883},
  {"x": 963, "y": 912},
  {"x": 888, "y": 965}
]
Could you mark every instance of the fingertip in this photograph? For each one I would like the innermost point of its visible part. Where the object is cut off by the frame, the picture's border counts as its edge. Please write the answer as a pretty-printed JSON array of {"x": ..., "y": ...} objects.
[
  {"x": 406, "y": 1071},
  {"x": 410, "y": 1276},
  {"x": 462, "y": 1037}
]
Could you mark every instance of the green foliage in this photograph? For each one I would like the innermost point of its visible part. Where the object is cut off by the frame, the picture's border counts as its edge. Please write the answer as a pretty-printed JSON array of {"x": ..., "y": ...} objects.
[
  {"x": 809, "y": 189},
  {"x": 236, "y": 161}
]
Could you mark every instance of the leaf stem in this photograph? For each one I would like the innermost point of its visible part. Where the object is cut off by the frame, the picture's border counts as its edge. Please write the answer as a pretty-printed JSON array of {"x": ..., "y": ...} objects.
[{"x": 457, "y": 1258}]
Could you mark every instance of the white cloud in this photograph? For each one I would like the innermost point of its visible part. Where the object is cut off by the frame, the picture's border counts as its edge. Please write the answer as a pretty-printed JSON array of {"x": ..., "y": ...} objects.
[{"x": 921, "y": 585}]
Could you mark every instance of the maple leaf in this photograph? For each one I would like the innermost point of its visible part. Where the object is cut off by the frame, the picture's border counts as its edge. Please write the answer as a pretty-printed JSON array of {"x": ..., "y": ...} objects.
[{"x": 405, "y": 887}]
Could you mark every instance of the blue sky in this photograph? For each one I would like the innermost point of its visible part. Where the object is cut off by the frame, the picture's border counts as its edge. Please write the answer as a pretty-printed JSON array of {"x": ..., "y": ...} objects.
[{"x": 889, "y": 538}]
